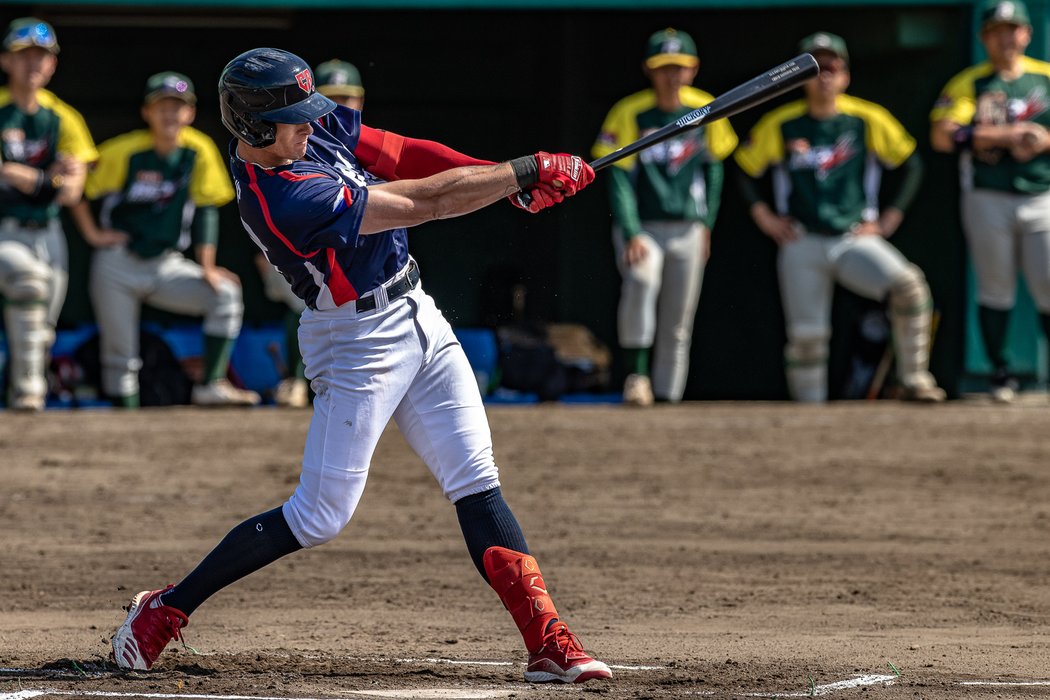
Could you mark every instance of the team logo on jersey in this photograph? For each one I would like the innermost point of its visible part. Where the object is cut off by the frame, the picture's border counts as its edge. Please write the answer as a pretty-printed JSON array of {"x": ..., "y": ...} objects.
[
  {"x": 673, "y": 154},
  {"x": 1027, "y": 109},
  {"x": 305, "y": 79},
  {"x": 18, "y": 148},
  {"x": 820, "y": 159},
  {"x": 150, "y": 186}
]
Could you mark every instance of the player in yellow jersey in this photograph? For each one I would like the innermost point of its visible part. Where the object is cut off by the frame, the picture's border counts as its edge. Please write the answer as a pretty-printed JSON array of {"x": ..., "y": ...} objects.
[
  {"x": 45, "y": 146},
  {"x": 664, "y": 202},
  {"x": 996, "y": 115},
  {"x": 826, "y": 153},
  {"x": 156, "y": 189}
]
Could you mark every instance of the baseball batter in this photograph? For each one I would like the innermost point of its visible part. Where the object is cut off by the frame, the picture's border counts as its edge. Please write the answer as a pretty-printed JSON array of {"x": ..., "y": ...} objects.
[
  {"x": 327, "y": 198},
  {"x": 45, "y": 146},
  {"x": 995, "y": 115},
  {"x": 827, "y": 152},
  {"x": 340, "y": 82},
  {"x": 157, "y": 188},
  {"x": 664, "y": 202}
]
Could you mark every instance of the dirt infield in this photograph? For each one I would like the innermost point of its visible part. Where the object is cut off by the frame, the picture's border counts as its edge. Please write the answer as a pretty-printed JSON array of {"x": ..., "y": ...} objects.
[{"x": 703, "y": 550}]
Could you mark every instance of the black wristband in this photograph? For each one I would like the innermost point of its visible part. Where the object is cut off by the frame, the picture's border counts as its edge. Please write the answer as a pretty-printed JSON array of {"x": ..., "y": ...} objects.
[{"x": 526, "y": 171}]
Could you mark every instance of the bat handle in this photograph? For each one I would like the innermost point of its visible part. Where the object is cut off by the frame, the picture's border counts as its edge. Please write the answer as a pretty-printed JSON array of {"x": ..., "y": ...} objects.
[{"x": 524, "y": 199}]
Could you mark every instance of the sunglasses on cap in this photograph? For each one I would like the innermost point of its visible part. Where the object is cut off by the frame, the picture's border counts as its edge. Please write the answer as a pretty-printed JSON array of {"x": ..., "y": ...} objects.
[{"x": 38, "y": 34}]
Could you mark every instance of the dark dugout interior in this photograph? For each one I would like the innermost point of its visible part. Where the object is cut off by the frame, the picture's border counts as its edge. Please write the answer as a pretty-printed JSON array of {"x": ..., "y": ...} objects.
[{"x": 498, "y": 84}]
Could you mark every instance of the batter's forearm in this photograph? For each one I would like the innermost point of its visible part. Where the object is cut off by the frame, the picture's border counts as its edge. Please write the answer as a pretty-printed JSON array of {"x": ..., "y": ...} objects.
[{"x": 445, "y": 195}]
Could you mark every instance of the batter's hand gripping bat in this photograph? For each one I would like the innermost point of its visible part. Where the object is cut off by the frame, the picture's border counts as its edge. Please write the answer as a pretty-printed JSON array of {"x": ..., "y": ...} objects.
[{"x": 773, "y": 82}]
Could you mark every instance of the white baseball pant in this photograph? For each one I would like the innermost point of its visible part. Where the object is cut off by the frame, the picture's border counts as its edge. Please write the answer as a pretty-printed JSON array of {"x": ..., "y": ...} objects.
[
  {"x": 121, "y": 282},
  {"x": 34, "y": 274},
  {"x": 399, "y": 360},
  {"x": 869, "y": 266},
  {"x": 1005, "y": 231},
  {"x": 659, "y": 296}
]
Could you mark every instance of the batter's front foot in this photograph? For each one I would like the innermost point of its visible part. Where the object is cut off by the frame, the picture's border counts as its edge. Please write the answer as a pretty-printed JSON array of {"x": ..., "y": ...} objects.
[
  {"x": 148, "y": 628},
  {"x": 562, "y": 659}
]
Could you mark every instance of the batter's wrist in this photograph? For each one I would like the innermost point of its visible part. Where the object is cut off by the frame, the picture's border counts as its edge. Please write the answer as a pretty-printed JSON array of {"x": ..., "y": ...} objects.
[{"x": 526, "y": 171}]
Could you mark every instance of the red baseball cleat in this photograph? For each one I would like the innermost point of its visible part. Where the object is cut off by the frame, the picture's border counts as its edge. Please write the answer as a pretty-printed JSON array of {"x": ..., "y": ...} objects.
[
  {"x": 562, "y": 658},
  {"x": 149, "y": 627}
]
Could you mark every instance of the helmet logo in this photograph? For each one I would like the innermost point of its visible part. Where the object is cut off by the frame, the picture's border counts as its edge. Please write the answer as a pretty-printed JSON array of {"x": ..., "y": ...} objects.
[{"x": 305, "y": 80}]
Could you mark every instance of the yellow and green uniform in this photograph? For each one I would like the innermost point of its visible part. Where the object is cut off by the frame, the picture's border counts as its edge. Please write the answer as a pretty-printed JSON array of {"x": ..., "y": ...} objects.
[
  {"x": 158, "y": 199},
  {"x": 36, "y": 140},
  {"x": 827, "y": 171},
  {"x": 978, "y": 95},
  {"x": 677, "y": 180}
]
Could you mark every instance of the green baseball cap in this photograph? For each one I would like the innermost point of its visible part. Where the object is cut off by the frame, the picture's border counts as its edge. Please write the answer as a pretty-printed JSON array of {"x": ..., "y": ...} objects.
[
  {"x": 169, "y": 84},
  {"x": 338, "y": 78},
  {"x": 671, "y": 47},
  {"x": 825, "y": 41},
  {"x": 29, "y": 31},
  {"x": 1004, "y": 12}
]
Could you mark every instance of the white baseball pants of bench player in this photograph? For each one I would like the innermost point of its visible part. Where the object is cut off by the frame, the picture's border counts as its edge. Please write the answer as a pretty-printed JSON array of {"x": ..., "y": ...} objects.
[
  {"x": 33, "y": 278},
  {"x": 869, "y": 266},
  {"x": 659, "y": 296},
  {"x": 121, "y": 282}
]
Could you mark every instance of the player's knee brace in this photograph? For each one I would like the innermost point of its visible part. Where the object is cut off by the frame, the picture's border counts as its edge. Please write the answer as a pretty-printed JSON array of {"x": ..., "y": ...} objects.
[
  {"x": 911, "y": 314},
  {"x": 806, "y": 367},
  {"x": 29, "y": 288},
  {"x": 909, "y": 293}
]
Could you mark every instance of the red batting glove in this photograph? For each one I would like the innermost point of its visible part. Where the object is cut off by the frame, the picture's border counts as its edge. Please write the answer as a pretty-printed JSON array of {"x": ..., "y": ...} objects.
[
  {"x": 540, "y": 197},
  {"x": 564, "y": 172}
]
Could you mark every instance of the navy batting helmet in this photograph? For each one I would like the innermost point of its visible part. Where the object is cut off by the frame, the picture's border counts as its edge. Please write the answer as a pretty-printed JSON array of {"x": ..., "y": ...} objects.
[{"x": 264, "y": 87}]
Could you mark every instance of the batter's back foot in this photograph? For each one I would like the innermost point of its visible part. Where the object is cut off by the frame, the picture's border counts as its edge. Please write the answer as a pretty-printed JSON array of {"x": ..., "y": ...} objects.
[{"x": 562, "y": 659}]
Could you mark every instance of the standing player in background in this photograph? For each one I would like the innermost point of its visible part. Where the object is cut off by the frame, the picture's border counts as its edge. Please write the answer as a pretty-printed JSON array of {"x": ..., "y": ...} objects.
[
  {"x": 157, "y": 189},
  {"x": 340, "y": 82},
  {"x": 664, "y": 202},
  {"x": 827, "y": 152},
  {"x": 327, "y": 198},
  {"x": 995, "y": 115},
  {"x": 45, "y": 148}
]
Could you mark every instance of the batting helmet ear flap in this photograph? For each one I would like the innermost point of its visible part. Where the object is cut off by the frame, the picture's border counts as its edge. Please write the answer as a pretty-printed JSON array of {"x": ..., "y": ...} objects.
[{"x": 244, "y": 124}]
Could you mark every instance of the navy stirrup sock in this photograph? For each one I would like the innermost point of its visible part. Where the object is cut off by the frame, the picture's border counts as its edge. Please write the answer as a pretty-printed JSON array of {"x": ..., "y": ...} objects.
[
  {"x": 250, "y": 546},
  {"x": 487, "y": 521}
]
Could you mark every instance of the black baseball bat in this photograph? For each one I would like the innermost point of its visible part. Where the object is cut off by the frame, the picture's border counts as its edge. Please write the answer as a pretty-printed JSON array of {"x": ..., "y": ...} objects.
[{"x": 775, "y": 81}]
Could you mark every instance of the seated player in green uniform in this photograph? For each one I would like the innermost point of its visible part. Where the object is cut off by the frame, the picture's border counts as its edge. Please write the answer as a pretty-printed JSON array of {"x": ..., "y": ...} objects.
[
  {"x": 827, "y": 153},
  {"x": 156, "y": 189}
]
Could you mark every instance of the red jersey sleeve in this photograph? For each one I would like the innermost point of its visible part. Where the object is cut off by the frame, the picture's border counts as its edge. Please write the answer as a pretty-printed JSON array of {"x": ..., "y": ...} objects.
[{"x": 394, "y": 157}]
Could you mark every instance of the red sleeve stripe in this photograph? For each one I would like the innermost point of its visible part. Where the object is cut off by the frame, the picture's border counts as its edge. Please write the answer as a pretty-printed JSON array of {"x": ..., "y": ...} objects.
[
  {"x": 253, "y": 184},
  {"x": 296, "y": 177},
  {"x": 338, "y": 284}
]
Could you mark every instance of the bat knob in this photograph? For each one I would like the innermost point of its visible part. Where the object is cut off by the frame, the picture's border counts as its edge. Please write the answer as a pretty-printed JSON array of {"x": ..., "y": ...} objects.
[{"x": 524, "y": 200}]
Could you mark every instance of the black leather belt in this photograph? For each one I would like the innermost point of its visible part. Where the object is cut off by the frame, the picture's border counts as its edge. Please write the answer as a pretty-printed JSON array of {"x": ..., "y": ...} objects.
[{"x": 400, "y": 288}]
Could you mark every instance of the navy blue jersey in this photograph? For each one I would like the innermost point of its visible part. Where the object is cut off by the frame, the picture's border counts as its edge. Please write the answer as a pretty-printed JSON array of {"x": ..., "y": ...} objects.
[{"x": 305, "y": 217}]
